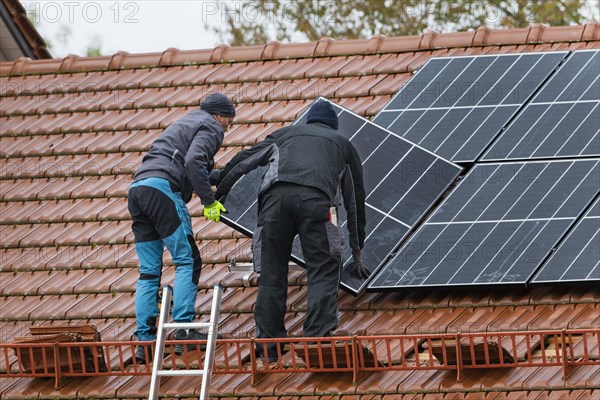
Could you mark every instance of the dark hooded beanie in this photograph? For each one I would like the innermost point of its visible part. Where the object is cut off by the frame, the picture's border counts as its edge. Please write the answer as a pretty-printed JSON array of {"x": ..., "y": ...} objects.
[
  {"x": 218, "y": 104},
  {"x": 322, "y": 111}
]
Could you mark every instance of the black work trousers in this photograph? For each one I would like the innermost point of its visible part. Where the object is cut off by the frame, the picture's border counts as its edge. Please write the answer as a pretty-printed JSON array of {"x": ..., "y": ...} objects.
[{"x": 284, "y": 211}]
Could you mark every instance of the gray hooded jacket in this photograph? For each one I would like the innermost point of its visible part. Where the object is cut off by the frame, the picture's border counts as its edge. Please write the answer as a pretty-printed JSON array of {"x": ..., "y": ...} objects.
[{"x": 183, "y": 154}]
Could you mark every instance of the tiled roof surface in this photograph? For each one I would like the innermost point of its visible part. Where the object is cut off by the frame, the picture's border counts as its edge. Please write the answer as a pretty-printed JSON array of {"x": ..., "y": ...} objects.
[{"x": 73, "y": 130}]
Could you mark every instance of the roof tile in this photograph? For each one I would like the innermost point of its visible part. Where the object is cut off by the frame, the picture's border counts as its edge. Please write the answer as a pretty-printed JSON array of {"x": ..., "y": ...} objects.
[
  {"x": 55, "y": 123},
  {"x": 64, "y": 282},
  {"x": 591, "y": 31},
  {"x": 504, "y": 378},
  {"x": 394, "y": 63},
  {"x": 253, "y": 91},
  {"x": 186, "y": 96},
  {"x": 431, "y": 321},
  {"x": 137, "y": 140},
  {"x": 329, "y": 67},
  {"x": 351, "y": 47},
  {"x": 116, "y": 99},
  {"x": 295, "y": 50},
  {"x": 154, "y": 97},
  {"x": 105, "y": 121},
  {"x": 383, "y": 383},
  {"x": 588, "y": 317},
  {"x": 19, "y": 105},
  {"x": 504, "y": 37},
  {"x": 24, "y": 283},
  {"x": 390, "y": 84},
  {"x": 124, "y": 280},
  {"x": 88, "y": 306},
  {"x": 74, "y": 122},
  {"x": 291, "y": 69},
  {"x": 95, "y": 81},
  {"x": 260, "y": 71},
  {"x": 16, "y": 235},
  {"x": 400, "y": 44},
  {"x": 547, "y": 377},
  {"x": 191, "y": 56},
  {"x": 563, "y": 33},
  {"x": 121, "y": 307},
  {"x": 138, "y": 386},
  {"x": 26, "y": 388},
  {"x": 230, "y": 72},
  {"x": 102, "y": 386}
]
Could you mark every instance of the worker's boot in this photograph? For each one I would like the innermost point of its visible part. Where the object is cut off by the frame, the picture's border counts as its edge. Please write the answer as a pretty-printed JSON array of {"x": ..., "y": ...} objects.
[
  {"x": 189, "y": 334},
  {"x": 143, "y": 353}
]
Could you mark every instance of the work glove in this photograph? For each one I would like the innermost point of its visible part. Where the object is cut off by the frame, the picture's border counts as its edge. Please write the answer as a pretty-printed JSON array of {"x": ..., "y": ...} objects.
[
  {"x": 359, "y": 268},
  {"x": 213, "y": 211}
]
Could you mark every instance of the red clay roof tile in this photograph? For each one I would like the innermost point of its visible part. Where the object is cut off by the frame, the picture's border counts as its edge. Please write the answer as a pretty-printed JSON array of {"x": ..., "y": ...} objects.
[
  {"x": 26, "y": 388},
  {"x": 290, "y": 69},
  {"x": 138, "y": 140},
  {"x": 121, "y": 307}
]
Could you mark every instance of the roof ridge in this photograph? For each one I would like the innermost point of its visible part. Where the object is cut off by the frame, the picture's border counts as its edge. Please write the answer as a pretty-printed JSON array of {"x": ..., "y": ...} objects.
[{"x": 324, "y": 47}]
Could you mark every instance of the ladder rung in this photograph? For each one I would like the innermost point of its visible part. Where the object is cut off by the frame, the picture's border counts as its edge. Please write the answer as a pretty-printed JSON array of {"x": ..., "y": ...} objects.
[
  {"x": 187, "y": 325},
  {"x": 180, "y": 372}
]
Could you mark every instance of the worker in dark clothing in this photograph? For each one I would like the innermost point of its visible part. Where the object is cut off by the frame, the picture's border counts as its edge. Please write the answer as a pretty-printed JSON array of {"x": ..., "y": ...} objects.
[
  {"x": 179, "y": 162},
  {"x": 308, "y": 165}
]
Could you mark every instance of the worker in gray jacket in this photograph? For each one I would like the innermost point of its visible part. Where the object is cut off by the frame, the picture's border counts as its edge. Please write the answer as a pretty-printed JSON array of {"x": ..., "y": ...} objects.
[
  {"x": 179, "y": 162},
  {"x": 309, "y": 165}
]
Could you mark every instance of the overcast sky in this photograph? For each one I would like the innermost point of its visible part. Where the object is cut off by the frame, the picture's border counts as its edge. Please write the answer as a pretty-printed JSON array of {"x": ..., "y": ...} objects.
[
  {"x": 139, "y": 26},
  {"x": 133, "y": 26}
]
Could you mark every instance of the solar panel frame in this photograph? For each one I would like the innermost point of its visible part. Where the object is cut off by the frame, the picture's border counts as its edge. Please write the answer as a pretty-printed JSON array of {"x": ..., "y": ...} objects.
[
  {"x": 378, "y": 283},
  {"x": 502, "y": 116},
  {"x": 503, "y": 150},
  {"x": 385, "y": 217},
  {"x": 590, "y": 221}
]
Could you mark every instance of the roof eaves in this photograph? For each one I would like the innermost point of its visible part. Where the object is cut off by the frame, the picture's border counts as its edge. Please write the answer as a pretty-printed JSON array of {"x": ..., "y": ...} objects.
[
  {"x": 30, "y": 40},
  {"x": 325, "y": 47}
]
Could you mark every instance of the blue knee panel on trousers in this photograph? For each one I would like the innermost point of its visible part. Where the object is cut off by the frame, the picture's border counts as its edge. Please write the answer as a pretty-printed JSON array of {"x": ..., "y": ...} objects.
[{"x": 150, "y": 253}]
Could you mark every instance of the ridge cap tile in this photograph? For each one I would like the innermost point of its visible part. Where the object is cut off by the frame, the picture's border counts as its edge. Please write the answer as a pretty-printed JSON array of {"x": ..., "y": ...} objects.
[{"x": 325, "y": 46}]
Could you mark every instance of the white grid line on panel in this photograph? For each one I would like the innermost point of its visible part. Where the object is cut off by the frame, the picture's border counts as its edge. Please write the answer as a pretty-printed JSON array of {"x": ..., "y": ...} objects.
[
  {"x": 553, "y": 215},
  {"x": 443, "y": 230},
  {"x": 386, "y": 215},
  {"x": 571, "y": 135},
  {"x": 550, "y": 133},
  {"x": 589, "y": 242},
  {"x": 505, "y": 214},
  {"x": 471, "y": 109},
  {"x": 390, "y": 133},
  {"x": 491, "y": 221},
  {"x": 568, "y": 238},
  {"x": 532, "y": 103}
]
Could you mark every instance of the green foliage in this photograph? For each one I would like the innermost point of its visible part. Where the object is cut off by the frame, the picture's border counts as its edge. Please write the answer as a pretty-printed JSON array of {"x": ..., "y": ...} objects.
[
  {"x": 260, "y": 21},
  {"x": 94, "y": 49}
]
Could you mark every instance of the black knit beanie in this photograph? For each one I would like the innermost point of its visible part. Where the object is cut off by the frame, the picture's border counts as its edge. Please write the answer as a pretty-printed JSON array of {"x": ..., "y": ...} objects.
[
  {"x": 219, "y": 104},
  {"x": 322, "y": 111}
]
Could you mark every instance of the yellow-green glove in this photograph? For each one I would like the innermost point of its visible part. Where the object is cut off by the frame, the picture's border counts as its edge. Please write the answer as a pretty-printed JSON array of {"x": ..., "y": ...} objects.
[{"x": 213, "y": 211}]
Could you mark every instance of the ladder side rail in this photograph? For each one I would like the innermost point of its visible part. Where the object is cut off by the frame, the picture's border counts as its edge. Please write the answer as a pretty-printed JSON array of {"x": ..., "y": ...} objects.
[
  {"x": 211, "y": 342},
  {"x": 160, "y": 343}
]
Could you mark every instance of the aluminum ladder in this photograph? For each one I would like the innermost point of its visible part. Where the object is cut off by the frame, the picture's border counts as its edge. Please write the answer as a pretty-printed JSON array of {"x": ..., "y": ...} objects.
[{"x": 163, "y": 325}]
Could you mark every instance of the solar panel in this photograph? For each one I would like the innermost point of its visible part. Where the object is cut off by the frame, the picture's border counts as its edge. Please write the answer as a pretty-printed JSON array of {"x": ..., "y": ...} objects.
[
  {"x": 456, "y": 106},
  {"x": 578, "y": 257},
  {"x": 496, "y": 227},
  {"x": 402, "y": 182},
  {"x": 563, "y": 119}
]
